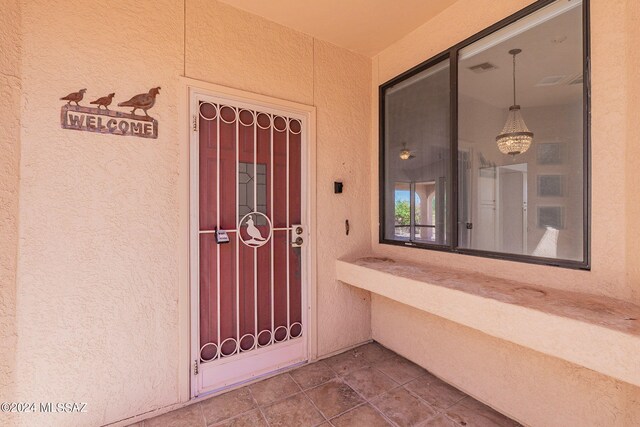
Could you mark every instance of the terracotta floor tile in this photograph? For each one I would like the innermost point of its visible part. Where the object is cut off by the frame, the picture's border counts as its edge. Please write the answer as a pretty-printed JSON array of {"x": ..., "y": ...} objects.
[
  {"x": 362, "y": 416},
  {"x": 469, "y": 412},
  {"x": 189, "y": 416},
  {"x": 272, "y": 389},
  {"x": 220, "y": 408},
  {"x": 439, "y": 421},
  {"x": 403, "y": 408},
  {"x": 294, "y": 411},
  {"x": 312, "y": 374},
  {"x": 347, "y": 362},
  {"x": 334, "y": 398},
  {"x": 369, "y": 382},
  {"x": 374, "y": 352},
  {"x": 369, "y": 372},
  {"x": 249, "y": 419},
  {"x": 400, "y": 369},
  {"x": 435, "y": 392}
]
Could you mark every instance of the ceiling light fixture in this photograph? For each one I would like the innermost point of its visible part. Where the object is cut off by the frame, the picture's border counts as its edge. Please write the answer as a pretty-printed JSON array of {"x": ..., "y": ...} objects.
[
  {"x": 515, "y": 137},
  {"x": 405, "y": 153}
]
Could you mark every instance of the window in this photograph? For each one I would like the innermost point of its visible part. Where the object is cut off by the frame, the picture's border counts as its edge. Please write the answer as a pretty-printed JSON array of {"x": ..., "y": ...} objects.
[
  {"x": 246, "y": 187},
  {"x": 417, "y": 212},
  {"x": 442, "y": 120},
  {"x": 417, "y": 160}
]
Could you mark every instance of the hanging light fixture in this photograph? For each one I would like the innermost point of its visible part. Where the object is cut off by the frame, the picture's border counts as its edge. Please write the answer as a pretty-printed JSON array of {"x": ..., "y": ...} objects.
[{"x": 515, "y": 137}]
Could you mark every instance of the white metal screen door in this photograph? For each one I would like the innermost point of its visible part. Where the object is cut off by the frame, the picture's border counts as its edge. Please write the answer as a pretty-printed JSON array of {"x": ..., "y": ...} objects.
[{"x": 250, "y": 287}]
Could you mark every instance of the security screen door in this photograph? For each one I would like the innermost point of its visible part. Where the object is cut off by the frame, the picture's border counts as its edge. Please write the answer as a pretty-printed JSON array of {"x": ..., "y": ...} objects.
[{"x": 250, "y": 240}]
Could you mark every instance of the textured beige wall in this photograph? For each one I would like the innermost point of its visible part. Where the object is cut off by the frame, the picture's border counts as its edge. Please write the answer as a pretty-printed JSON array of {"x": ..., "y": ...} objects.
[
  {"x": 10, "y": 82},
  {"x": 343, "y": 141},
  {"x": 233, "y": 48},
  {"x": 533, "y": 388},
  {"x": 100, "y": 265},
  {"x": 632, "y": 167},
  {"x": 97, "y": 312}
]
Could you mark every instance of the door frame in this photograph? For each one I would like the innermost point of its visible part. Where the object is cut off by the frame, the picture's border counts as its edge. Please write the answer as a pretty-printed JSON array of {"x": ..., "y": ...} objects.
[{"x": 189, "y": 300}]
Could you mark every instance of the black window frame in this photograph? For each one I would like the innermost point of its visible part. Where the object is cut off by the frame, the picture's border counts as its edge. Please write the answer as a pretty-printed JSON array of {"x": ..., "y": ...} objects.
[{"x": 451, "y": 54}]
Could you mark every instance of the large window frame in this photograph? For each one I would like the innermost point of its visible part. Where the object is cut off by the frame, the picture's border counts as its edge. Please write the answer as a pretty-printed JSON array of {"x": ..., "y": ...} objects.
[{"x": 451, "y": 55}]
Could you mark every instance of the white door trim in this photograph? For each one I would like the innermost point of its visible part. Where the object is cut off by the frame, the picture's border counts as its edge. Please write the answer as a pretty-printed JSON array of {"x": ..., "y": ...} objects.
[{"x": 189, "y": 304}]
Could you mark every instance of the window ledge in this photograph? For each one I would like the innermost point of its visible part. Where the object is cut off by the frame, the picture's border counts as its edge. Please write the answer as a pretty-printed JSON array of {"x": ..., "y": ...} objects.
[{"x": 599, "y": 333}]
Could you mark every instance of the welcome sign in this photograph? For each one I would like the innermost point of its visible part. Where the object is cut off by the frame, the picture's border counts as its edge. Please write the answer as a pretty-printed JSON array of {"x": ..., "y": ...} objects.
[{"x": 99, "y": 120}]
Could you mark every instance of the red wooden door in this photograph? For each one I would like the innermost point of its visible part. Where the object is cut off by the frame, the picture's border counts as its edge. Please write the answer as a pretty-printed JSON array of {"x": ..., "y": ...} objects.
[{"x": 251, "y": 287}]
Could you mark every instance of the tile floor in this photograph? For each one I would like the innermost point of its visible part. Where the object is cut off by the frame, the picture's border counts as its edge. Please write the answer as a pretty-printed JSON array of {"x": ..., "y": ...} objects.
[{"x": 368, "y": 386}]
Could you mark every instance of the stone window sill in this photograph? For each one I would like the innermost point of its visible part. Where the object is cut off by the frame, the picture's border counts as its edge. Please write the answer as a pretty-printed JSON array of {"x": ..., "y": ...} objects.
[{"x": 599, "y": 333}]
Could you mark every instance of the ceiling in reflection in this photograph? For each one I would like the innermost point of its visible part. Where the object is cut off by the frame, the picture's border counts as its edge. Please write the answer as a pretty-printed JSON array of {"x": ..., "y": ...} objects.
[{"x": 551, "y": 60}]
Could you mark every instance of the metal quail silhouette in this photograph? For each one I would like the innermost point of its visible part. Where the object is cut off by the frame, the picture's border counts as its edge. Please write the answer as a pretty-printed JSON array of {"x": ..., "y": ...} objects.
[
  {"x": 143, "y": 101},
  {"x": 105, "y": 101},
  {"x": 74, "y": 97},
  {"x": 253, "y": 231}
]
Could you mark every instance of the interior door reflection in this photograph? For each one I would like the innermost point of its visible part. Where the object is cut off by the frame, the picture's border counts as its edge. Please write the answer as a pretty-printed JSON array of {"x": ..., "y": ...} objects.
[{"x": 502, "y": 209}]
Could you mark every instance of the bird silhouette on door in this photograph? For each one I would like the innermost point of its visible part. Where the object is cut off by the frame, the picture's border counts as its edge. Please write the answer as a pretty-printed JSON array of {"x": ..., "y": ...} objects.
[
  {"x": 255, "y": 235},
  {"x": 252, "y": 230}
]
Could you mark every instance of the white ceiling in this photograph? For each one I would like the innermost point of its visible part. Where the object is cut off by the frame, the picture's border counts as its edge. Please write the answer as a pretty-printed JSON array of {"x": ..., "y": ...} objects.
[
  {"x": 550, "y": 49},
  {"x": 363, "y": 26}
]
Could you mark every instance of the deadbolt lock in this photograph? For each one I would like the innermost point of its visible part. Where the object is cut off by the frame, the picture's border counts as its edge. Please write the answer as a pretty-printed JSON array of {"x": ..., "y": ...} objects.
[{"x": 297, "y": 231}]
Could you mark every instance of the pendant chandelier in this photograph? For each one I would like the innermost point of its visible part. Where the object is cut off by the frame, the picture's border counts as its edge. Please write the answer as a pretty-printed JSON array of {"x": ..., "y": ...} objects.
[{"x": 515, "y": 137}]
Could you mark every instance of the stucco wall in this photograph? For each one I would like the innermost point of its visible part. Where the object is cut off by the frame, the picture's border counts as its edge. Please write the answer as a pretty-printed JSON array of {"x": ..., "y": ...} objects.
[
  {"x": 535, "y": 389},
  {"x": 632, "y": 167},
  {"x": 98, "y": 283},
  {"x": 97, "y": 312},
  {"x": 100, "y": 267},
  {"x": 343, "y": 140},
  {"x": 10, "y": 82}
]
